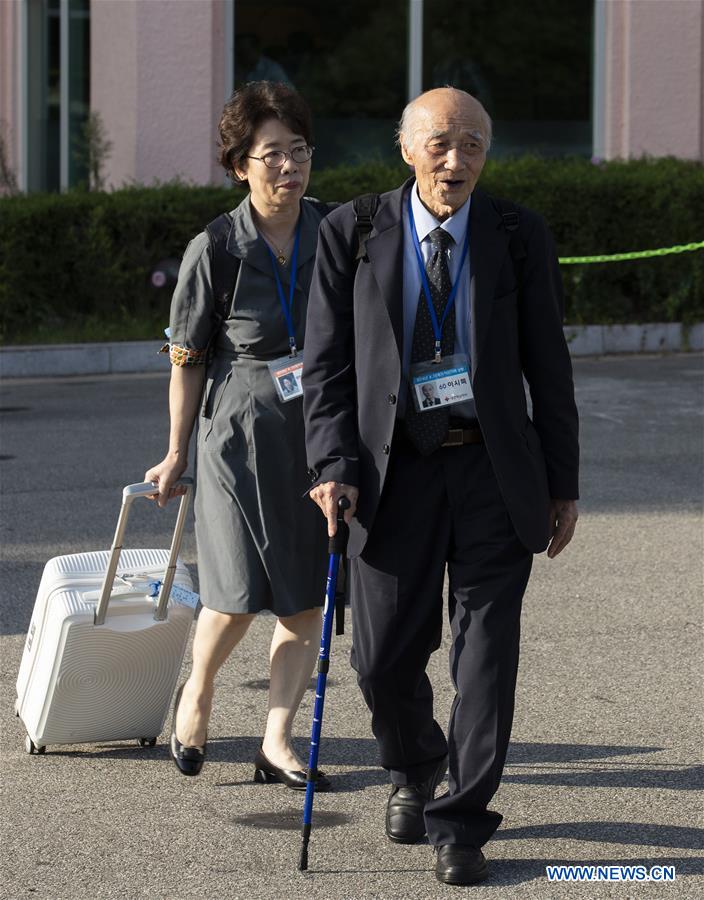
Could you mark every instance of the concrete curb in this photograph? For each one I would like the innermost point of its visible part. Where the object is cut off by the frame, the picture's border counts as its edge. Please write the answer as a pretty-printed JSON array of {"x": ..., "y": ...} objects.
[
  {"x": 52, "y": 360},
  {"x": 82, "y": 359},
  {"x": 655, "y": 337}
]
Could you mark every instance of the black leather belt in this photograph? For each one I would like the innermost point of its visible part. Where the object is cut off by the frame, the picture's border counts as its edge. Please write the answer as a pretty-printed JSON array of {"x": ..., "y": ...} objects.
[
  {"x": 460, "y": 432},
  {"x": 456, "y": 437}
]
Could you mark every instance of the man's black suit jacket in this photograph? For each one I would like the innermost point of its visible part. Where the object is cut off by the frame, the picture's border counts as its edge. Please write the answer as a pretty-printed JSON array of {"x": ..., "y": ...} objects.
[{"x": 353, "y": 352}]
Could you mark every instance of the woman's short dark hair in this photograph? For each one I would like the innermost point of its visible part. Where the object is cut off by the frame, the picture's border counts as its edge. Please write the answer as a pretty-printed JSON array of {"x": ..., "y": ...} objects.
[{"x": 252, "y": 104}]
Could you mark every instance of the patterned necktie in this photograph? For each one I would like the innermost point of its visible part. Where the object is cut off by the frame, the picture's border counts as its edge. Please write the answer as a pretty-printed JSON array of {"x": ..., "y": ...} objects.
[{"x": 428, "y": 429}]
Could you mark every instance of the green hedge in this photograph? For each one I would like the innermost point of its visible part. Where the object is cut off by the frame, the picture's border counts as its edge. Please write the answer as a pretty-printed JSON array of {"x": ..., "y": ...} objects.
[{"x": 82, "y": 261}]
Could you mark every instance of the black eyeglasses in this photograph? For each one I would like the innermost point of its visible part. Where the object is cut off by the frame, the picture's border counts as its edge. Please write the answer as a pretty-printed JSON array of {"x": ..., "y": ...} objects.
[{"x": 276, "y": 158}]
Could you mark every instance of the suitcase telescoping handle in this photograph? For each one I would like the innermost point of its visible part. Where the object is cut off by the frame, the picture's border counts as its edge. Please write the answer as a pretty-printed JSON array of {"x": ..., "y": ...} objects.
[{"x": 129, "y": 494}]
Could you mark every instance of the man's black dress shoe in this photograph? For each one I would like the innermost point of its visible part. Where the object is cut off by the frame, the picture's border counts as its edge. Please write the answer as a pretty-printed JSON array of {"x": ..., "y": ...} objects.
[
  {"x": 265, "y": 772},
  {"x": 189, "y": 760},
  {"x": 404, "y": 811},
  {"x": 460, "y": 864}
]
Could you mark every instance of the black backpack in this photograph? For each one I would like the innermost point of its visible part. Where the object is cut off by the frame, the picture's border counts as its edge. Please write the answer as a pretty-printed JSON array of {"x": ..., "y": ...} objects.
[{"x": 365, "y": 207}]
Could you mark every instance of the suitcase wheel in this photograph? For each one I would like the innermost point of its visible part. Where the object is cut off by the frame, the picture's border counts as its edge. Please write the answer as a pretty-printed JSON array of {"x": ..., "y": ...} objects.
[
  {"x": 146, "y": 742},
  {"x": 32, "y": 748}
]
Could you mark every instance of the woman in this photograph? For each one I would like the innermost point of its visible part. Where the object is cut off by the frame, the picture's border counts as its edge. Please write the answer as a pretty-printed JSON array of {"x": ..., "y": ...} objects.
[{"x": 260, "y": 546}]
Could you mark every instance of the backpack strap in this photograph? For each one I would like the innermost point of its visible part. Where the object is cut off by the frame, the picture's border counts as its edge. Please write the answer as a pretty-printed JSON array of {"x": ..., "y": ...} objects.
[
  {"x": 365, "y": 208},
  {"x": 224, "y": 268},
  {"x": 511, "y": 222}
]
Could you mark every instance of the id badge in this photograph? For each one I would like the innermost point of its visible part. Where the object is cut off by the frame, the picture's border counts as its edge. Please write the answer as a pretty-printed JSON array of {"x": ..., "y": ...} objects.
[
  {"x": 286, "y": 374},
  {"x": 434, "y": 385}
]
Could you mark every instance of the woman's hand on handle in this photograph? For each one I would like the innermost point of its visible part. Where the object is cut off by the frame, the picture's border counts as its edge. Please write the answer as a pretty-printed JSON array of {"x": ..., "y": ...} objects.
[
  {"x": 185, "y": 390},
  {"x": 165, "y": 475},
  {"x": 326, "y": 496}
]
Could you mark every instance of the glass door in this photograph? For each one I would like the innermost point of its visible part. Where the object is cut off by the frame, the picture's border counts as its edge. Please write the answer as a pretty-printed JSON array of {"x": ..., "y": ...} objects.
[{"x": 57, "y": 76}]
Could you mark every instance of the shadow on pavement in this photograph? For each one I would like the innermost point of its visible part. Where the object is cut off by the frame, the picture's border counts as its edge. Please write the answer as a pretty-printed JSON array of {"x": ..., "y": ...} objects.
[
  {"x": 290, "y": 819},
  {"x": 241, "y": 749},
  {"x": 526, "y": 753},
  {"x": 686, "y": 778},
  {"x": 355, "y": 751},
  {"x": 639, "y": 833},
  {"x": 262, "y": 684},
  {"x": 20, "y": 581}
]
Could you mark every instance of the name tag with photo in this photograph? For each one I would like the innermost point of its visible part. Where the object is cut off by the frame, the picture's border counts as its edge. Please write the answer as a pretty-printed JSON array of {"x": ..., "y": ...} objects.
[
  {"x": 286, "y": 374},
  {"x": 434, "y": 385}
]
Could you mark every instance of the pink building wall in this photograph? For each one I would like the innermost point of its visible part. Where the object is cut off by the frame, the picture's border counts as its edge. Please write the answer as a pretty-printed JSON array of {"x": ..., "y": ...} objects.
[
  {"x": 157, "y": 80},
  {"x": 653, "y": 78}
]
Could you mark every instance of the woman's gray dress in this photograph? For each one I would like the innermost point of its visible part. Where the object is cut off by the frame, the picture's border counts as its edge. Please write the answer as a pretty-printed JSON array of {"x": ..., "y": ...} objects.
[{"x": 261, "y": 542}]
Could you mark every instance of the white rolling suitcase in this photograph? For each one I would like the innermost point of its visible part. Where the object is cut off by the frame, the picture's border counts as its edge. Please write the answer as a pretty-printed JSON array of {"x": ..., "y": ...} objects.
[{"x": 103, "y": 655}]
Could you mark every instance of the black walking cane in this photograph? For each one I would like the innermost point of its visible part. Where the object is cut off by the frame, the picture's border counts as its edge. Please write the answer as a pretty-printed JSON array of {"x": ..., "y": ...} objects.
[{"x": 336, "y": 547}]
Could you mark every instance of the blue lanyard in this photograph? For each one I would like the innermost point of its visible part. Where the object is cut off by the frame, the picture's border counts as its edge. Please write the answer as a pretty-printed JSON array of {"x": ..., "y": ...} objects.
[
  {"x": 287, "y": 307},
  {"x": 437, "y": 326}
]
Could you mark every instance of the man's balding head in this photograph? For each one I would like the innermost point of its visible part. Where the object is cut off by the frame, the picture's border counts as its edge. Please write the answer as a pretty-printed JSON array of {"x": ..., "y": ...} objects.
[
  {"x": 444, "y": 136},
  {"x": 452, "y": 99}
]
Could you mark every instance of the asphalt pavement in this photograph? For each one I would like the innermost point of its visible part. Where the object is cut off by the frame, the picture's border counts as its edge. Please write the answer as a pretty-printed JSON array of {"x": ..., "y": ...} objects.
[{"x": 605, "y": 765}]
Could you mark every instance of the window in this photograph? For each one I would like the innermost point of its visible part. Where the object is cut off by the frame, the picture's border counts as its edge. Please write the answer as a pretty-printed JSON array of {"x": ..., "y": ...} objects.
[
  {"x": 349, "y": 61},
  {"x": 78, "y": 77},
  {"x": 529, "y": 63},
  {"x": 58, "y": 79},
  {"x": 43, "y": 94}
]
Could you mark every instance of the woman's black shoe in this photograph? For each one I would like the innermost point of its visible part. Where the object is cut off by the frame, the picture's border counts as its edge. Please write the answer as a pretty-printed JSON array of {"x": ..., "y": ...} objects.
[
  {"x": 266, "y": 772},
  {"x": 189, "y": 760}
]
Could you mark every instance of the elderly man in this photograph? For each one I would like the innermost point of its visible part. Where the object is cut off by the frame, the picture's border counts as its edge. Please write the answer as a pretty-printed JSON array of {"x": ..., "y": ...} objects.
[{"x": 462, "y": 292}]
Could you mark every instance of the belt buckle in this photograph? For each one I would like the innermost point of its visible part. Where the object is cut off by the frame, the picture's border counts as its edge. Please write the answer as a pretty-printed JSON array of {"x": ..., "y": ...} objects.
[{"x": 455, "y": 438}]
